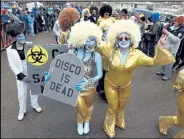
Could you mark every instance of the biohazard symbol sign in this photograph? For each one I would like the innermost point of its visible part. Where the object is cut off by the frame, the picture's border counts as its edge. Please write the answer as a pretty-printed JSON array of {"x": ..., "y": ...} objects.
[{"x": 37, "y": 56}]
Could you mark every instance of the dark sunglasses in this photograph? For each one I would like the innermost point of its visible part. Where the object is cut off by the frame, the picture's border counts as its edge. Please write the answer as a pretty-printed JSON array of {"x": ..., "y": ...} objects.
[{"x": 126, "y": 38}]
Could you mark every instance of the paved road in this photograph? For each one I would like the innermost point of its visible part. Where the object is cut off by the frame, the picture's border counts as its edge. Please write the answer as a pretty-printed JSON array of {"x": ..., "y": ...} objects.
[{"x": 150, "y": 98}]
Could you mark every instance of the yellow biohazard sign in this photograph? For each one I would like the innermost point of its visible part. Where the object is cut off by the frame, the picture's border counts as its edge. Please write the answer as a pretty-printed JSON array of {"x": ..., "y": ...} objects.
[{"x": 37, "y": 56}]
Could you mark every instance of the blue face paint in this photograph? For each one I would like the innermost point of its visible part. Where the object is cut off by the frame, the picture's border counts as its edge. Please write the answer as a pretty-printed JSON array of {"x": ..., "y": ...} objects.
[
  {"x": 123, "y": 40},
  {"x": 105, "y": 31},
  {"x": 90, "y": 44},
  {"x": 20, "y": 38}
]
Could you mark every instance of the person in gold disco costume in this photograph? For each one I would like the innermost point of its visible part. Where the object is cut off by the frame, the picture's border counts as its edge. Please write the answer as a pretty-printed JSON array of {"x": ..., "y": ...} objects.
[
  {"x": 67, "y": 18},
  {"x": 123, "y": 37},
  {"x": 104, "y": 26},
  {"x": 165, "y": 122}
]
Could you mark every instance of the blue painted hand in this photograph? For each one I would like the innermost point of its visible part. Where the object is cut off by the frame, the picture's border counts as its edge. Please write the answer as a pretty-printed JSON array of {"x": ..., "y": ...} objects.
[
  {"x": 47, "y": 76},
  {"x": 82, "y": 85}
]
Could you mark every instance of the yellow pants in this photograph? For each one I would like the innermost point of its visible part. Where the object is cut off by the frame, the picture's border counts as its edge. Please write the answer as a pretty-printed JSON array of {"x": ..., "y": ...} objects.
[
  {"x": 165, "y": 122},
  {"x": 85, "y": 105},
  {"x": 117, "y": 98}
]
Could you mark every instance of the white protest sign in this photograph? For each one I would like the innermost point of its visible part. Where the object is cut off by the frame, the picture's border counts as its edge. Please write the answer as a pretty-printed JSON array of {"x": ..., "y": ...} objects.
[{"x": 66, "y": 72}]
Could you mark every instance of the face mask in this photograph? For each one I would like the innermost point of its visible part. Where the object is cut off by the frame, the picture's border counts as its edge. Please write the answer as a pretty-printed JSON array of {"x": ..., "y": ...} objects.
[
  {"x": 123, "y": 41},
  {"x": 90, "y": 44},
  {"x": 105, "y": 31}
]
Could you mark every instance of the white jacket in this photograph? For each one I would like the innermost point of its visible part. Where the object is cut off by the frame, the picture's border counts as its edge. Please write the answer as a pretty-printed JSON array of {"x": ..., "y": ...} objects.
[
  {"x": 172, "y": 43},
  {"x": 56, "y": 28},
  {"x": 14, "y": 60}
]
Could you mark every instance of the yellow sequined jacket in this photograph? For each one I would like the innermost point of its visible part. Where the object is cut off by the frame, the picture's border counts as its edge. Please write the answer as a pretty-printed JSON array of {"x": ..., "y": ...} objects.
[{"x": 119, "y": 74}]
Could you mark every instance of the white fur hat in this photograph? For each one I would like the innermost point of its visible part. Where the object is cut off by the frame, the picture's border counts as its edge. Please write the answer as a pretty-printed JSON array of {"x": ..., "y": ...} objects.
[
  {"x": 81, "y": 31},
  {"x": 127, "y": 26}
]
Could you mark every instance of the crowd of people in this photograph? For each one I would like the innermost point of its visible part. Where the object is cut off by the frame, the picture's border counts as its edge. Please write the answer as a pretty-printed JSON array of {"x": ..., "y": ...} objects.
[{"x": 111, "y": 46}]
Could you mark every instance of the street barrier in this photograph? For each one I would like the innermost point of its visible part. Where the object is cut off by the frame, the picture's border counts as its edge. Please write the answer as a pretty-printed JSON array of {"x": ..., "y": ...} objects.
[{"x": 6, "y": 40}]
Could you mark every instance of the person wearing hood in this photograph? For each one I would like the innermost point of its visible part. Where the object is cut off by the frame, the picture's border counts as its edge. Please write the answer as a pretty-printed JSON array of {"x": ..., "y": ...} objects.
[
  {"x": 18, "y": 64},
  {"x": 94, "y": 14},
  {"x": 105, "y": 14},
  {"x": 154, "y": 33}
]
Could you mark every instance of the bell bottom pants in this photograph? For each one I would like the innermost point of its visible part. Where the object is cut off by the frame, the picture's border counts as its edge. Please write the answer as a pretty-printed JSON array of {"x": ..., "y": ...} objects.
[
  {"x": 22, "y": 88},
  {"x": 165, "y": 122},
  {"x": 117, "y": 98},
  {"x": 85, "y": 105}
]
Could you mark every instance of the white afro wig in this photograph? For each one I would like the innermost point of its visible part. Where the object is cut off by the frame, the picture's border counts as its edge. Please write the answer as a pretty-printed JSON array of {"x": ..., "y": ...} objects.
[
  {"x": 126, "y": 26},
  {"x": 81, "y": 31}
]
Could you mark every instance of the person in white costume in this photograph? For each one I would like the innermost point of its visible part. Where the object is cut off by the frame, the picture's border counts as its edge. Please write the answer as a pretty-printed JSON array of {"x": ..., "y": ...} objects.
[{"x": 18, "y": 65}]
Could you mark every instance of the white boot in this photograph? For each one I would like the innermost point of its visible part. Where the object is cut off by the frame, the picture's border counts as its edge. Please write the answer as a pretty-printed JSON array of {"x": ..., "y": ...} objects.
[
  {"x": 86, "y": 128},
  {"x": 80, "y": 129},
  {"x": 38, "y": 109},
  {"x": 21, "y": 116}
]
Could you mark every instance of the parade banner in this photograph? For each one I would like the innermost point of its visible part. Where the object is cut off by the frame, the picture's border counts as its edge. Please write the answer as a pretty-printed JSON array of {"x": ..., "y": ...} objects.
[
  {"x": 39, "y": 58},
  {"x": 66, "y": 72}
]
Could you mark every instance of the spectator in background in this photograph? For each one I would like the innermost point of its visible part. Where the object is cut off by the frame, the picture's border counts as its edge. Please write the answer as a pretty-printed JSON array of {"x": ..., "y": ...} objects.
[
  {"x": 31, "y": 24},
  {"x": 133, "y": 18},
  {"x": 142, "y": 22},
  {"x": 171, "y": 44},
  {"x": 179, "y": 32},
  {"x": 57, "y": 31},
  {"x": 124, "y": 13},
  {"x": 154, "y": 34},
  {"x": 85, "y": 15},
  {"x": 4, "y": 16},
  {"x": 80, "y": 12},
  {"x": 46, "y": 18},
  {"x": 94, "y": 14},
  {"x": 26, "y": 10},
  {"x": 116, "y": 15}
]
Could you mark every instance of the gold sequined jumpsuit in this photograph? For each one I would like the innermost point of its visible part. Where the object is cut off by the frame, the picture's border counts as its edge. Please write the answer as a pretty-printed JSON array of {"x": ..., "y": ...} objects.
[
  {"x": 85, "y": 98},
  {"x": 63, "y": 37},
  {"x": 165, "y": 122},
  {"x": 118, "y": 80}
]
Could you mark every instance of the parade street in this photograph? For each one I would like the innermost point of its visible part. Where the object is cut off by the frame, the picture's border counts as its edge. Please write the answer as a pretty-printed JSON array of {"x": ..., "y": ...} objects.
[{"x": 150, "y": 98}]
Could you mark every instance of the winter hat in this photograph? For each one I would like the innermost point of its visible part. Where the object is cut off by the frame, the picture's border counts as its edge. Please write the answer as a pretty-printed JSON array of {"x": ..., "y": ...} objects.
[
  {"x": 3, "y": 11},
  {"x": 180, "y": 20},
  {"x": 155, "y": 17}
]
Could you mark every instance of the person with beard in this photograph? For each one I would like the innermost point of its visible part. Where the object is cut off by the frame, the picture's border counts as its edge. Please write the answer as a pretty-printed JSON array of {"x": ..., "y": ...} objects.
[
  {"x": 18, "y": 65},
  {"x": 123, "y": 58},
  {"x": 94, "y": 14},
  {"x": 66, "y": 19},
  {"x": 105, "y": 14}
]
